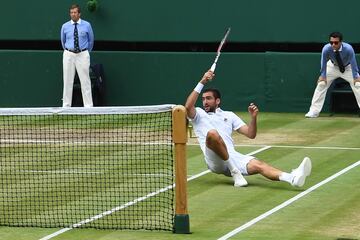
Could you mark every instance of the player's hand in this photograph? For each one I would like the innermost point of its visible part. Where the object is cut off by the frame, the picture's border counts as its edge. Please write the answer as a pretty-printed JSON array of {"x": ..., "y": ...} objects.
[
  {"x": 208, "y": 76},
  {"x": 253, "y": 110}
]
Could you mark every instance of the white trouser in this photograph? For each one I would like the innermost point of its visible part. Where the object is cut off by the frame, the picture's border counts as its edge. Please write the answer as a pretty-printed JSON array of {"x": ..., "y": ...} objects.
[
  {"x": 80, "y": 62},
  {"x": 217, "y": 165},
  {"x": 332, "y": 73}
]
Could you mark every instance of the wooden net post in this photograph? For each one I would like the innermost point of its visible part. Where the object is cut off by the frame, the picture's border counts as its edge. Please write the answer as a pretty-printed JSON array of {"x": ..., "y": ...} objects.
[{"x": 181, "y": 221}]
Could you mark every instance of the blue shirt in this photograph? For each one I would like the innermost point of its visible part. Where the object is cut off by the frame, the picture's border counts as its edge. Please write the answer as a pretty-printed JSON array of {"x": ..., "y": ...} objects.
[
  {"x": 347, "y": 55},
  {"x": 86, "y": 35}
]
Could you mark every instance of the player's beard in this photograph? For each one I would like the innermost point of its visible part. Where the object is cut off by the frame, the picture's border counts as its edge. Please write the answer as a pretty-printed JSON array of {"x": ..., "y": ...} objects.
[{"x": 210, "y": 109}]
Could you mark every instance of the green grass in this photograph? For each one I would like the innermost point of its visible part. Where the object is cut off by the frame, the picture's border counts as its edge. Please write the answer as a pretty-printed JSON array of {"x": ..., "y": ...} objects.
[{"x": 332, "y": 211}]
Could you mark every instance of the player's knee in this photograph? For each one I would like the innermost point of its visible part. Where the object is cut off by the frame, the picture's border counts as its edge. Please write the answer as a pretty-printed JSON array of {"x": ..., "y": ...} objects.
[{"x": 212, "y": 136}]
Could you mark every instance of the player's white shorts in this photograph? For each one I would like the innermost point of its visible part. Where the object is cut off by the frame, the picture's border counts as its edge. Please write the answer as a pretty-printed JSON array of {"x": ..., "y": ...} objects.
[{"x": 217, "y": 165}]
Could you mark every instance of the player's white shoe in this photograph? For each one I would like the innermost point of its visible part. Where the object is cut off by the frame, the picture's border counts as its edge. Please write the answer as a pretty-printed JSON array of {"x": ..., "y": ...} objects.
[
  {"x": 239, "y": 180},
  {"x": 300, "y": 173},
  {"x": 311, "y": 114}
]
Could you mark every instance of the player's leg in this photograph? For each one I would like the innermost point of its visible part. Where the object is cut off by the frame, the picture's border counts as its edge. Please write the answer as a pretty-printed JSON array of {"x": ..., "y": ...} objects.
[
  {"x": 215, "y": 142},
  {"x": 318, "y": 99},
  {"x": 256, "y": 166},
  {"x": 68, "y": 77},
  {"x": 218, "y": 159},
  {"x": 295, "y": 178}
]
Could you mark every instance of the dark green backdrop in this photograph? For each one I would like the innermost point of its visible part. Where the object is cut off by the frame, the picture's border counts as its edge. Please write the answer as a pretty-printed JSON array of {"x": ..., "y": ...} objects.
[
  {"x": 188, "y": 20},
  {"x": 276, "y": 81}
]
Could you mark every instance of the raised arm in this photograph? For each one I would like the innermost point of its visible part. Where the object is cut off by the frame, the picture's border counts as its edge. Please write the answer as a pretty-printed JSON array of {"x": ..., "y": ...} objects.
[
  {"x": 191, "y": 100},
  {"x": 250, "y": 129}
]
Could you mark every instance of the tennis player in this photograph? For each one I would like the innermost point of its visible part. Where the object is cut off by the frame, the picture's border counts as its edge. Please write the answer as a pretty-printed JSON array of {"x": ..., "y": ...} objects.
[{"x": 214, "y": 126}]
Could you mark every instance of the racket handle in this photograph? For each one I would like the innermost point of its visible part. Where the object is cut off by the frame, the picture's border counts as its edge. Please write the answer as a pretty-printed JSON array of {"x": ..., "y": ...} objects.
[{"x": 213, "y": 67}]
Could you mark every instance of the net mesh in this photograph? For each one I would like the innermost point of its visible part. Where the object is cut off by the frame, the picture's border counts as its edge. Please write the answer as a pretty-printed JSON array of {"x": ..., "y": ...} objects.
[{"x": 81, "y": 168}]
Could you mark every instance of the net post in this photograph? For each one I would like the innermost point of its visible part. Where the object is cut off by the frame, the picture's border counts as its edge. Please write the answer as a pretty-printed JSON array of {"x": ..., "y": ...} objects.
[{"x": 181, "y": 221}]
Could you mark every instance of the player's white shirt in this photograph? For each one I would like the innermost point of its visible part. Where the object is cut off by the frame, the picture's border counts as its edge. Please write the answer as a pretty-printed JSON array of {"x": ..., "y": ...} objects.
[{"x": 225, "y": 122}]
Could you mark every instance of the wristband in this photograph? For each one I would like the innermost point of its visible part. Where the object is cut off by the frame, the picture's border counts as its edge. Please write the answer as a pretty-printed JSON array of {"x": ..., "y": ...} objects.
[{"x": 199, "y": 87}]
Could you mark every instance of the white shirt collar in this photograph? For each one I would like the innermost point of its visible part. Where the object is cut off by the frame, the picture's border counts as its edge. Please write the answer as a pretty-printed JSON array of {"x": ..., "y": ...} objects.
[
  {"x": 79, "y": 22},
  {"x": 340, "y": 49}
]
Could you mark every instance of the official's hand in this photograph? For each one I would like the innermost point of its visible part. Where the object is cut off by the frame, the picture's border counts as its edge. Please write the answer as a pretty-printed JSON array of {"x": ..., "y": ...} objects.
[
  {"x": 322, "y": 79},
  {"x": 357, "y": 82},
  {"x": 253, "y": 110},
  {"x": 322, "y": 82},
  {"x": 208, "y": 76}
]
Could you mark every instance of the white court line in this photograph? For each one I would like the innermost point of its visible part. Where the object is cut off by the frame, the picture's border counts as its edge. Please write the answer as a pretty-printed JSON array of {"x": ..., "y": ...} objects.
[
  {"x": 207, "y": 171},
  {"x": 56, "y": 171},
  {"x": 84, "y": 172},
  {"x": 89, "y": 142},
  {"x": 286, "y": 203},
  {"x": 289, "y": 146},
  {"x": 314, "y": 147},
  {"x": 35, "y": 141},
  {"x": 103, "y": 214}
]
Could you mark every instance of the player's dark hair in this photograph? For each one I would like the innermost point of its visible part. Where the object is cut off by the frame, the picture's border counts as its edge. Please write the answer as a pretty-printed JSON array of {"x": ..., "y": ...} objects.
[
  {"x": 214, "y": 91},
  {"x": 336, "y": 35},
  {"x": 75, "y": 6}
]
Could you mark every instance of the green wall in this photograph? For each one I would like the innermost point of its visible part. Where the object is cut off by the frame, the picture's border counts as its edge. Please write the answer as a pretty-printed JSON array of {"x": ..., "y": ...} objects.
[
  {"x": 187, "y": 20},
  {"x": 290, "y": 80},
  {"x": 30, "y": 78},
  {"x": 275, "y": 81}
]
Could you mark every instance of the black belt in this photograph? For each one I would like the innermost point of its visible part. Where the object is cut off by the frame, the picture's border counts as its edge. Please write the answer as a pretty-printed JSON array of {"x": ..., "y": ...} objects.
[{"x": 74, "y": 51}]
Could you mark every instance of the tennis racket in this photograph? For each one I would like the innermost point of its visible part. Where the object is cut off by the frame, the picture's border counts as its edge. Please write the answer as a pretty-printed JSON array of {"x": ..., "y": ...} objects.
[{"x": 218, "y": 52}]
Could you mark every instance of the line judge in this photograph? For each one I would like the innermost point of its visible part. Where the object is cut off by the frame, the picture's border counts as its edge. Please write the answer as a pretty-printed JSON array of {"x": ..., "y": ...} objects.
[
  {"x": 337, "y": 61},
  {"x": 77, "y": 39}
]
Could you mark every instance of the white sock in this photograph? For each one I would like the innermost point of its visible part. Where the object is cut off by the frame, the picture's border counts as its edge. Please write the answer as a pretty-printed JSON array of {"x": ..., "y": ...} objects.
[
  {"x": 286, "y": 177},
  {"x": 231, "y": 164}
]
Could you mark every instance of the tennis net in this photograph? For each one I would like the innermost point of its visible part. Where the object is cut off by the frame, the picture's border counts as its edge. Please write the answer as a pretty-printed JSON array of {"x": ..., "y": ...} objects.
[{"x": 108, "y": 167}]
